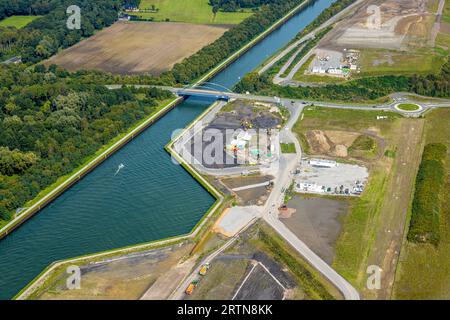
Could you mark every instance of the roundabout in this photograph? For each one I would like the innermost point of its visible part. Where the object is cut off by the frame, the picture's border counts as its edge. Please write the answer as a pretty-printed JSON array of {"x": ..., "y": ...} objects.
[{"x": 408, "y": 107}]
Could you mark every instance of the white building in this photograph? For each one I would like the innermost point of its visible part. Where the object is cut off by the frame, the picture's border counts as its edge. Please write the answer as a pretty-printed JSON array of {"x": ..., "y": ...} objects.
[
  {"x": 323, "y": 163},
  {"x": 309, "y": 187}
]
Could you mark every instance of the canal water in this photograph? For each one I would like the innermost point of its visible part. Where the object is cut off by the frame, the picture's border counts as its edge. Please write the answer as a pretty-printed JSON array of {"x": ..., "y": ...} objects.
[{"x": 149, "y": 198}]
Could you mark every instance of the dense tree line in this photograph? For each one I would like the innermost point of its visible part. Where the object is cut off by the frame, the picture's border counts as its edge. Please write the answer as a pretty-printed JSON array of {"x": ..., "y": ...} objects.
[
  {"x": 370, "y": 88},
  {"x": 45, "y": 36},
  {"x": 426, "y": 207},
  {"x": 236, "y": 5},
  {"x": 50, "y": 123},
  {"x": 26, "y": 7}
]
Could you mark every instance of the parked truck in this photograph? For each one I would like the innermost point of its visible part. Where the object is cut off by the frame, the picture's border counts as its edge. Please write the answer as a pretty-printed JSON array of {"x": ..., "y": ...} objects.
[
  {"x": 191, "y": 287},
  {"x": 204, "y": 269}
]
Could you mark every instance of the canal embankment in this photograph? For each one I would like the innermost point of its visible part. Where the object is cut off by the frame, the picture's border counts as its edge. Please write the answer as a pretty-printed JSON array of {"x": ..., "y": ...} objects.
[
  {"x": 43, "y": 201},
  {"x": 150, "y": 199}
]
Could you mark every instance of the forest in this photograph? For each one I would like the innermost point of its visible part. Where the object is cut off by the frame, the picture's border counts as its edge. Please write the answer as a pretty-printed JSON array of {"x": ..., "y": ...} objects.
[{"x": 50, "y": 123}]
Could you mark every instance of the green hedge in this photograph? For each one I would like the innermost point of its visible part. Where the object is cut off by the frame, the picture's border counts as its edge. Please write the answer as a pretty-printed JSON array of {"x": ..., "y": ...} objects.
[{"x": 426, "y": 207}]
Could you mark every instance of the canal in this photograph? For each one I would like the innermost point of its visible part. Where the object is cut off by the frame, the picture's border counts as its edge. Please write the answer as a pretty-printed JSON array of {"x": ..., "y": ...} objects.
[{"x": 149, "y": 198}]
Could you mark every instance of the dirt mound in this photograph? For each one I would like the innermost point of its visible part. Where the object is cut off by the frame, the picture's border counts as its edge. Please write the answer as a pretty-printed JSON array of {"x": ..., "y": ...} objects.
[
  {"x": 341, "y": 137},
  {"x": 318, "y": 141},
  {"x": 340, "y": 151},
  {"x": 342, "y": 144}
]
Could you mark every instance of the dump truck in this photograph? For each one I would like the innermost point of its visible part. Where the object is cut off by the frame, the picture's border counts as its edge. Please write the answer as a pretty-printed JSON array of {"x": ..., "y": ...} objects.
[
  {"x": 204, "y": 269},
  {"x": 191, "y": 287}
]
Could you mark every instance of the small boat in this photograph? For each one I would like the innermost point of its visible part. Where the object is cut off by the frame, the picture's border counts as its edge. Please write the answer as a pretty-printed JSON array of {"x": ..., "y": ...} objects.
[{"x": 121, "y": 166}]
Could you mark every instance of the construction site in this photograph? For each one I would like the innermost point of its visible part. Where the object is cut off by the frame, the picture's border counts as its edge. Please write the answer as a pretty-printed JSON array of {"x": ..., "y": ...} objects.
[
  {"x": 378, "y": 38},
  {"x": 334, "y": 63},
  {"x": 249, "y": 270},
  {"x": 319, "y": 176},
  {"x": 241, "y": 133}
]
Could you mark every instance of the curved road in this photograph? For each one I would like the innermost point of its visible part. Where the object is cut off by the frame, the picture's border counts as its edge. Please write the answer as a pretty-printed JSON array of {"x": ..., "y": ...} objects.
[{"x": 288, "y": 164}]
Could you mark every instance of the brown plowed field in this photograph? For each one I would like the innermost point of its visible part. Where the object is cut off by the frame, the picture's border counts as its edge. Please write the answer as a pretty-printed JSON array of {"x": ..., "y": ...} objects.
[{"x": 138, "y": 47}]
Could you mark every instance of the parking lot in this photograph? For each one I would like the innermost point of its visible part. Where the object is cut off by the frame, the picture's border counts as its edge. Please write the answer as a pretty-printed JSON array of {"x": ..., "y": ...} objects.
[{"x": 342, "y": 179}]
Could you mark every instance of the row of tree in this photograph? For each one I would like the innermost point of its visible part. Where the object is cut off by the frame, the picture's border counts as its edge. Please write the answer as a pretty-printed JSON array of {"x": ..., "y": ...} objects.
[
  {"x": 371, "y": 88},
  {"x": 236, "y": 5},
  {"x": 50, "y": 122},
  {"x": 426, "y": 207}
]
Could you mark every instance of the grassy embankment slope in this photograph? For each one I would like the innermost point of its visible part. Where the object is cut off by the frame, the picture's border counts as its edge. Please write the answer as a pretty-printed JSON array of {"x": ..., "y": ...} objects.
[
  {"x": 17, "y": 21},
  {"x": 191, "y": 11},
  {"x": 65, "y": 180},
  {"x": 424, "y": 269}
]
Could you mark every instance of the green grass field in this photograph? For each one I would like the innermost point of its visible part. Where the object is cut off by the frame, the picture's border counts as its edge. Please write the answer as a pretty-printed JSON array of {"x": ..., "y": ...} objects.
[
  {"x": 408, "y": 107},
  {"x": 191, "y": 11},
  {"x": 424, "y": 270},
  {"x": 385, "y": 62},
  {"x": 17, "y": 21},
  {"x": 287, "y": 148}
]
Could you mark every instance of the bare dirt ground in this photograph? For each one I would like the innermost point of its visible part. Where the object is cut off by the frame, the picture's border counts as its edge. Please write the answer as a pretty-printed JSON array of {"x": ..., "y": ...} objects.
[
  {"x": 318, "y": 223},
  {"x": 249, "y": 197},
  {"x": 242, "y": 272},
  {"x": 126, "y": 278},
  {"x": 389, "y": 234},
  {"x": 401, "y": 23},
  {"x": 249, "y": 269},
  {"x": 260, "y": 285},
  {"x": 237, "y": 182},
  {"x": 138, "y": 47},
  {"x": 336, "y": 143},
  {"x": 445, "y": 28}
]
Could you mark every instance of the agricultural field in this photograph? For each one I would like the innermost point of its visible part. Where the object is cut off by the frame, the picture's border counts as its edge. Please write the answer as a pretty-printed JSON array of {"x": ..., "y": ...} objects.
[
  {"x": 17, "y": 21},
  {"x": 138, "y": 47},
  {"x": 190, "y": 11},
  {"x": 373, "y": 229},
  {"x": 424, "y": 269}
]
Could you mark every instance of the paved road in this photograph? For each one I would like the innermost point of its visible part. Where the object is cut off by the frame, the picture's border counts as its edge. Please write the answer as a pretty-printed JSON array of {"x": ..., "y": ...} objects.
[
  {"x": 309, "y": 36},
  {"x": 400, "y": 97},
  {"x": 288, "y": 164},
  {"x": 253, "y": 186},
  {"x": 437, "y": 24}
]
